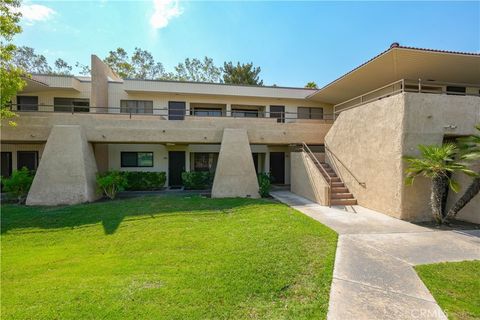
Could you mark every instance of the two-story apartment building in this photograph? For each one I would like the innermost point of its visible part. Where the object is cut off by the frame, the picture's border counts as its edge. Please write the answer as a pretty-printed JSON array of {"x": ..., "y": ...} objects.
[{"x": 340, "y": 145}]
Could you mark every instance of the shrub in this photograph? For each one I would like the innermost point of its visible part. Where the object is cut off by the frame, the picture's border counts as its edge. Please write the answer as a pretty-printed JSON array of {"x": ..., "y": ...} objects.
[
  {"x": 140, "y": 181},
  {"x": 111, "y": 182},
  {"x": 264, "y": 183},
  {"x": 19, "y": 183},
  {"x": 197, "y": 180}
]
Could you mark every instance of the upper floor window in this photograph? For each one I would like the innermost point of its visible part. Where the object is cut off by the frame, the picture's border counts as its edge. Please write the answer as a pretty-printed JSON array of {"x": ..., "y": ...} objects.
[
  {"x": 310, "y": 113},
  {"x": 456, "y": 90},
  {"x": 278, "y": 112},
  {"x": 136, "y": 106},
  {"x": 27, "y": 103},
  {"x": 67, "y": 104},
  {"x": 136, "y": 159},
  {"x": 176, "y": 110}
]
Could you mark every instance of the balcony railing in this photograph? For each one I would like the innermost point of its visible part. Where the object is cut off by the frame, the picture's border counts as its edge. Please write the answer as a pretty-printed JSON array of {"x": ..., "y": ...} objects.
[
  {"x": 405, "y": 85},
  {"x": 170, "y": 113}
]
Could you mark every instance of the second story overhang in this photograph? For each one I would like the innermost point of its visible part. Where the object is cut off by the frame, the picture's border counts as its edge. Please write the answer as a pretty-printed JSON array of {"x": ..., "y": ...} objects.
[
  {"x": 398, "y": 63},
  {"x": 214, "y": 89},
  {"x": 45, "y": 83}
]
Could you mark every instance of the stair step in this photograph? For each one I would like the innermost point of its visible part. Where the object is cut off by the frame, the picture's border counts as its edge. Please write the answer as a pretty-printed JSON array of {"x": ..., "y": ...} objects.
[
  {"x": 339, "y": 190},
  {"x": 343, "y": 202},
  {"x": 343, "y": 195},
  {"x": 338, "y": 185}
]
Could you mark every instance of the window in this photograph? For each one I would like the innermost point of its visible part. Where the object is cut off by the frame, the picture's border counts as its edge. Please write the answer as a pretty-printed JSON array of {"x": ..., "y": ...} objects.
[
  {"x": 66, "y": 104},
  {"x": 6, "y": 164},
  {"x": 309, "y": 113},
  {"x": 136, "y": 106},
  {"x": 456, "y": 90},
  {"x": 25, "y": 103},
  {"x": 28, "y": 159},
  {"x": 176, "y": 110},
  {"x": 278, "y": 112},
  {"x": 201, "y": 112},
  {"x": 244, "y": 113},
  {"x": 136, "y": 159},
  {"x": 203, "y": 161}
]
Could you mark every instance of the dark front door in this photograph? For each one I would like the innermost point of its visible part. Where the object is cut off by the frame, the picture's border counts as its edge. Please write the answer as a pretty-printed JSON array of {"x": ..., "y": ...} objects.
[
  {"x": 278, "y": 112},
  {"x": 176, "y": 110},
  {"x": 176, "y": 165},
  {"x": 28, "y": 159},
  {"x": 25, "y": 103},
  {"x": 6, "y": 164},
  {"x": 277, "y": 167}
]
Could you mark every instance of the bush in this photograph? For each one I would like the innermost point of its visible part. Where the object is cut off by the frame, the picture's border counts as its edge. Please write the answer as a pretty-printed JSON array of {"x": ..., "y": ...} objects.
[
  {"x": 197, "y": 180},
  {"x": 111, "y": 182},
  {"x": 141, "y": 181},
  {"x": 264, "y": 183},
  {"x": 19, "y": 183}
]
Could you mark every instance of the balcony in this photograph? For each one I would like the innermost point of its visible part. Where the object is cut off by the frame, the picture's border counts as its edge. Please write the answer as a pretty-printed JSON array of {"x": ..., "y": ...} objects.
[
  {"x": 405, "y": 85},
  {"x": 196, "y": 111}
]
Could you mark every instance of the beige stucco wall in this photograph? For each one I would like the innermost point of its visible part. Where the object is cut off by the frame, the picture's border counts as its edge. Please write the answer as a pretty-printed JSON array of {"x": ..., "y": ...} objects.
[
  {"x": 372, "y": 139},
  {"x": 150, "y": 129},
  {"x": 66, "y": 173},
  {"x": 427, "y": 121},
  {"x": 306, "y": 179},
  {"x": 368, "y": 140},
  {"x": 235, "y": 175}
]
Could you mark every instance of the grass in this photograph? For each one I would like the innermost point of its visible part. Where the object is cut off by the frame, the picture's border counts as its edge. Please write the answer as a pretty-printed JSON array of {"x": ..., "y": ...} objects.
[
  {"x": 165, "y": 258},
  {"x": 455, "y": 286}
]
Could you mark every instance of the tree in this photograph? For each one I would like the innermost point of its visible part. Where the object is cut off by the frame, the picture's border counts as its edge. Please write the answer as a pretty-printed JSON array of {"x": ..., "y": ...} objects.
[
  {"x": 26, "y": 58},
  {"x": 241, "y": 74},
  {"x": 84, "y": 69},
  {"x": 198, "y": 70},
  {"x": 144, "y": 65},
  {"x": 62, "y": 67},
  {"x": 311, "y": 85},
  {"x": 118, "y": 61},
  {"x": 437, "y": 163},
  {"x": 10, "y": 75},
  {"x": 471, "y": 151}
]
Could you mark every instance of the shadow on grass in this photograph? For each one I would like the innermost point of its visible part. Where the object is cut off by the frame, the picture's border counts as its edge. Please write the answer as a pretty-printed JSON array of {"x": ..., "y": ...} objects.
[{"x": 112, "y": 213}]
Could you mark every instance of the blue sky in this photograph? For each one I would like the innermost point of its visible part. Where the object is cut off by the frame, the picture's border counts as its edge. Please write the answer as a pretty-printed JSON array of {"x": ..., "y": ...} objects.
[{"x": 293, "y": 42}]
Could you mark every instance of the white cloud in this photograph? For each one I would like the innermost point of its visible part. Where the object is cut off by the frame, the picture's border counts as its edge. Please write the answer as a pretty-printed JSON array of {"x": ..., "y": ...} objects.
[
  {"x": 163, "y": 12},
  {"x": 36, "y": 12}
]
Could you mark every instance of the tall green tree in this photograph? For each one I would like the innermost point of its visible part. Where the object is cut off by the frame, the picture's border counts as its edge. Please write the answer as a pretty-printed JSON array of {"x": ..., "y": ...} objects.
[
  {"x": 10, "y": 75},
  {"x": 27, "y": 59},
  {"x": 470, "y": 147},
  {"x": 311, "y": 85},
  {"x": 198, "y": 70},
  {"x": 62, "y": 67},
  {"x": 241, "y": 74},
  {"x": 119, "y": 61},
  {"x": 437, "y": 163}
]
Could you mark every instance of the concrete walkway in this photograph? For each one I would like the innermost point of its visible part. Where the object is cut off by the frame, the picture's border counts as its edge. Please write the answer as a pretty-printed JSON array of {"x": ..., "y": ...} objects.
[{"x": 373, "y": 276}]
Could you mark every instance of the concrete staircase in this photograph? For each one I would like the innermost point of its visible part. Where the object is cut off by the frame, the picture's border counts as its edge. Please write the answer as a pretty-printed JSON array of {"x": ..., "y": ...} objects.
[{"x": 340, "y": 195}]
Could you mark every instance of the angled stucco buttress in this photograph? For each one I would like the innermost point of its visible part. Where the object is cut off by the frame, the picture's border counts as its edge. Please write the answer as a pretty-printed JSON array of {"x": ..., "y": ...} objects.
[
  {"x": 66, "y": 173},
  {"x": 235, "y": 174},
  {"x": 101, "y": 75}
]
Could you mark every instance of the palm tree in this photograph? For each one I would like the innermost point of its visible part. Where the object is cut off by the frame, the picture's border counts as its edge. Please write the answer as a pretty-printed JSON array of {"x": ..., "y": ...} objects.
[
  {"x": 470, "y": 147},
  {"x": 311, "y": 85},
  {"x": 437, "y": 163}
]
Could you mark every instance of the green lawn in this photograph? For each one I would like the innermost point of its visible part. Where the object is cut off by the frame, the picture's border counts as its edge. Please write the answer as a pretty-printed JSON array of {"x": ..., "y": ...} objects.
[
  {"x": 455, "y": 286},
  {"x": 165, "y": 258}
]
